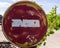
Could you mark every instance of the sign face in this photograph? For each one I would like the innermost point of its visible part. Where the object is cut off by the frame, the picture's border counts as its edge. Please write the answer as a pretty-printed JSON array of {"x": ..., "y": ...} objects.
[{"x": 24, "y": 24}]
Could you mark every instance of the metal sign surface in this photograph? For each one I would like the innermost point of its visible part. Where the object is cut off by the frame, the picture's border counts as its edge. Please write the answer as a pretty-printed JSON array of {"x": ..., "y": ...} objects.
[{"x": 24, "y": 24}]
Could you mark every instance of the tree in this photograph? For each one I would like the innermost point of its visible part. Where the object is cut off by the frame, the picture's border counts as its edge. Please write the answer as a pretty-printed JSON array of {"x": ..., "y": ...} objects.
[{"x": 53, "y": 24}]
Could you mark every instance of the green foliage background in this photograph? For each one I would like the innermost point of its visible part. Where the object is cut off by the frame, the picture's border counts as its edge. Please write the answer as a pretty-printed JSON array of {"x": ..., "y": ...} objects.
[{"x": 53, "y": 24}]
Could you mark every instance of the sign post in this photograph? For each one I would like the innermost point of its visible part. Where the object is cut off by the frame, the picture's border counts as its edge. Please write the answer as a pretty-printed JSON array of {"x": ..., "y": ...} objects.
[{"x": 24, "y": 24}]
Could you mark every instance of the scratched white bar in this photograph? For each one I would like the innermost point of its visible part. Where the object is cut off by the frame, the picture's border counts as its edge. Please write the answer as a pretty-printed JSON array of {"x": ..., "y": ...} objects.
[{"x": 25, "y": 23}]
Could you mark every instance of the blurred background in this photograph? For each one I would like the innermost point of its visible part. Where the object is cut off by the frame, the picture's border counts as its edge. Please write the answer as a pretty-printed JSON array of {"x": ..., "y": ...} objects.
[{"x": 52, "y": 10}]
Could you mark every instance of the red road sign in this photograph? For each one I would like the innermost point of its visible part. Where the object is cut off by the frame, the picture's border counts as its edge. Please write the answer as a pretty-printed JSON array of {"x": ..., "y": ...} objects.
[{"x": 24, "y": 23}]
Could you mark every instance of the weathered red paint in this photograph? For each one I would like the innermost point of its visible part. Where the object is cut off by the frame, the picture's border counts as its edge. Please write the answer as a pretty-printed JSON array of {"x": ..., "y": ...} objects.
[{"x": 20, "y": 10}]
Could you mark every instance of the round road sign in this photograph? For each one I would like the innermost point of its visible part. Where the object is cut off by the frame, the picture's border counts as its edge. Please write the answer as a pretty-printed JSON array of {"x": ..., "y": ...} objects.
[{"x": 24, "y": 24}]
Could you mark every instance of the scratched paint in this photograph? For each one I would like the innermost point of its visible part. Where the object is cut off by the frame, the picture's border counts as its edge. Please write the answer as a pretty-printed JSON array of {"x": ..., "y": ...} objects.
[{"x": 29, "y": 28}]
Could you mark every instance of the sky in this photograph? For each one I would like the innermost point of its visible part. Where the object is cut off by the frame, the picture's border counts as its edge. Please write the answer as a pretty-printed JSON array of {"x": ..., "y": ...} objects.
[{"x": 45, "y": 4}]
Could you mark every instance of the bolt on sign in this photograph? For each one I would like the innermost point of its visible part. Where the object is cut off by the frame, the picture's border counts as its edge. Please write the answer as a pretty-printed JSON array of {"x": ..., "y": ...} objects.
[{"x": 24, "y": 24}]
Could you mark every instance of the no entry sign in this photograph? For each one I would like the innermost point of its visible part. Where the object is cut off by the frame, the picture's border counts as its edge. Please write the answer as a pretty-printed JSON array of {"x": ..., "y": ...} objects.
[{"x": 24, "y": 23}]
